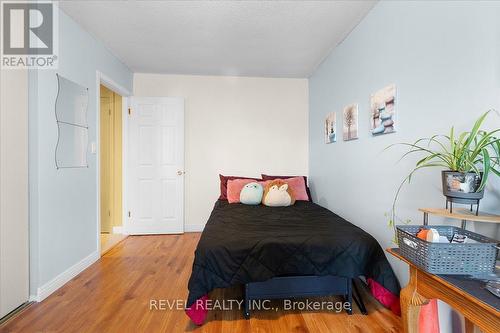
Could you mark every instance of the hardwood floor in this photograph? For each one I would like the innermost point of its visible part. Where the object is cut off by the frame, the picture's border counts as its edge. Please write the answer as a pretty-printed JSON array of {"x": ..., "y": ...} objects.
[{"x": 114, "y": 294}]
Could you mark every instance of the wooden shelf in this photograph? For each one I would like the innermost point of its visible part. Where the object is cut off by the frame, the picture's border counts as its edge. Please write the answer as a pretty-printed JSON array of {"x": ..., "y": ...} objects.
[{"x": 462, "y": 214}]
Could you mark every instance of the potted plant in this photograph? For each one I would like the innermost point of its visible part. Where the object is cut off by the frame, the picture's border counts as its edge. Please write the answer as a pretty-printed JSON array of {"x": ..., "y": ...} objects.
[{"x": 467, "y": 160}]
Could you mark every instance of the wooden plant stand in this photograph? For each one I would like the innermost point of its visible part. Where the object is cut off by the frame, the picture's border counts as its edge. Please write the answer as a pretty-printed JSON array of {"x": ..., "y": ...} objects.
[
  {"x": 466, "y": 296},
  {"x": 459, "y": 214}
]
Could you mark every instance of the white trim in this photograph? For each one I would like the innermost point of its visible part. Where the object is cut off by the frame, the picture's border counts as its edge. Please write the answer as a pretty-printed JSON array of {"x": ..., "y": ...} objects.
[
  {"x": 194, "y": 227},
  {"x": 118, "y": 230},
  {"x": 153, "y": 230},
  {"x": 125, "y": 206},
  {"x": 110, "y": 84},
  {"x": 63, "y": 278}
]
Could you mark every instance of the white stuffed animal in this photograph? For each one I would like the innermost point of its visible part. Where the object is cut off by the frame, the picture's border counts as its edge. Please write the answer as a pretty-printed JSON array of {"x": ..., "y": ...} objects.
[{"x": 278, "y": 194}]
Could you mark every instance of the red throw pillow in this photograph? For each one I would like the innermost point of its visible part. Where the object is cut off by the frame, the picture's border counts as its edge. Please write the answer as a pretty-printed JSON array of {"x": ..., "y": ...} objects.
[
  {"x": 268, "y": 177},
  {"x": 223, "y": 184}
]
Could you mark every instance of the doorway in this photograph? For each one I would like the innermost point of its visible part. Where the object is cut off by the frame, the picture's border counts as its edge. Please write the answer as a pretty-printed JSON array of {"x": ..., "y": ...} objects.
[
  {"x": 155, "y": 166},
  {"x": 111, "y": 185}
]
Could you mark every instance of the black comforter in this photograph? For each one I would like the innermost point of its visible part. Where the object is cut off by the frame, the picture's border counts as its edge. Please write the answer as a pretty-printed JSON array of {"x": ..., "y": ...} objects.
[{"x": 242, "y": 244}]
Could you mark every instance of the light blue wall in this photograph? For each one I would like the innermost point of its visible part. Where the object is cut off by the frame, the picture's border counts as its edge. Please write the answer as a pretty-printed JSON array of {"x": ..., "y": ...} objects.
[
  {"x": 445, "y": 59},
  {"x": 63, "y": 203}
]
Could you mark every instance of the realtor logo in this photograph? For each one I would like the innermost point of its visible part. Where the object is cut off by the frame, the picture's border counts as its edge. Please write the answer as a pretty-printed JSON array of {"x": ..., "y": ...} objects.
[{"x": 29, "y": 34}]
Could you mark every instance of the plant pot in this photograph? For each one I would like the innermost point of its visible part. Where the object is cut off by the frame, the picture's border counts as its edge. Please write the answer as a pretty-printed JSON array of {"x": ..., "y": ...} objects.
[{"x": 462, "y": 187}]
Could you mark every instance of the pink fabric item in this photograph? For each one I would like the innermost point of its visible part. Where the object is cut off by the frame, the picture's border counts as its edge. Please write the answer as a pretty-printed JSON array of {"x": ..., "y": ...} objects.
[
  {"x": 428, "y": 319},
  {"x": 198, "y": 311},
  {"x": 223, "y": 184},
  {"x": 269, "y": 177},
  {"x": 298, "y": 186},
  {"x": 384, "y": 296},
  {"x": 234, "y": 187}
]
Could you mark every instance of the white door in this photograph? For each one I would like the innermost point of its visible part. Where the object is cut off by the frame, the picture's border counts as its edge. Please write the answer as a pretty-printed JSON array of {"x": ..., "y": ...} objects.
[
  {"x": 156, "y": 166},
  {"x": 14, "y": 191}
]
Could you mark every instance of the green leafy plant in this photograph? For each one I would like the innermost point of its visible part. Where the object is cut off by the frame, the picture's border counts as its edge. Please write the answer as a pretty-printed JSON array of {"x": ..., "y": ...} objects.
[{"x": 475, "y": 151}]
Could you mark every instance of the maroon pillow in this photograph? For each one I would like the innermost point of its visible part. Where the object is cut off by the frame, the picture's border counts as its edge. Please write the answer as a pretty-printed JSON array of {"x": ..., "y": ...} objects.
[
  {"x": 223, "y": 184},
  {"x": 267, "y": 177}
]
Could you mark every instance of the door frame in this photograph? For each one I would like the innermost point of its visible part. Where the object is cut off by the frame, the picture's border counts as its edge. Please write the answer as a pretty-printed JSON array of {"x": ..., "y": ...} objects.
[{"x": 103, "y": 79}]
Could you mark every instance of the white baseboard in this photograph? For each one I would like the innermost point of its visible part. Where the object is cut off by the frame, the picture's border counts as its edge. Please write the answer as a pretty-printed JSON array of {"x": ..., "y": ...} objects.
[
  {"x": 193, "y": 227},
  {"x": 118, "y": 230},
  {"x": 60, "y": 280}
]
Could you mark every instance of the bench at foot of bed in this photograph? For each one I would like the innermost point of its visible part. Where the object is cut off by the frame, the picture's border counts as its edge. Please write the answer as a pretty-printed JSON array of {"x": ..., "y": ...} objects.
[{"x": 290, "y": 287}]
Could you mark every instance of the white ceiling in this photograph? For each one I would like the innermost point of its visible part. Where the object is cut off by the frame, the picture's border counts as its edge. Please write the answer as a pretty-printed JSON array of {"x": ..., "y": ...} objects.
[{"x": 250, "y": 38}]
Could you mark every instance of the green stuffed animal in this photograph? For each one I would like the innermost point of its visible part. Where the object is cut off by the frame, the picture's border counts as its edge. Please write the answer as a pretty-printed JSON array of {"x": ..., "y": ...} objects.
[{"x": 251, "y": 194}]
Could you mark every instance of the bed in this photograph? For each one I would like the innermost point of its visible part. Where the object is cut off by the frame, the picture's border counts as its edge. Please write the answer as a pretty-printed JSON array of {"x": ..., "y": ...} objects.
[{"x": 243, "y": 244}]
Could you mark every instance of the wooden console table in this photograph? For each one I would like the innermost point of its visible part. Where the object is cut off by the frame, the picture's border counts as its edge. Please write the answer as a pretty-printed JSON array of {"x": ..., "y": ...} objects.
[
  {"x": 460, "y": 214},
  {"x": 479, "y": 306}
]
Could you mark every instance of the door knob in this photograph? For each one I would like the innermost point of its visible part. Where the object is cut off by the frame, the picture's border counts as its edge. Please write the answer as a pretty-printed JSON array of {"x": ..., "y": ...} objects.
[{"x": 180, "y": 173}]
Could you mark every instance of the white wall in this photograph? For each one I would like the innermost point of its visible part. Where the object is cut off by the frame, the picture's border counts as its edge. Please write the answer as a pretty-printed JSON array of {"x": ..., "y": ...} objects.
[
  {"x": 445, "y": 60},
  {"x": 63, "y": 203},
  {"x": 234, "y": 126},
  {"x": 14, "y": 234}
]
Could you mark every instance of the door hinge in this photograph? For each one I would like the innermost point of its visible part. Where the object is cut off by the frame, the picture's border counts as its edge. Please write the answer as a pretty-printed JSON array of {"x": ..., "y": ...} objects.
[
  {"x": 129, "y": 111},
  {"x": 129, "y": 213}
]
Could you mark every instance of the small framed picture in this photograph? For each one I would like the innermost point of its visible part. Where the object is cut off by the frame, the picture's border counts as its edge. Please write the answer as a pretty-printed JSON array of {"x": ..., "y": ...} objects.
[
  {"x": 331, "y": 127},
  {"x": 350, "y": 122},
  {"x": 383, "y": 111}
]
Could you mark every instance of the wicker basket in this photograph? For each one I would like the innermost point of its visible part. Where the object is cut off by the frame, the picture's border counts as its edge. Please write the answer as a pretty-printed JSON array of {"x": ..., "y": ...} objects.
[{"x": 447, "y": 258}]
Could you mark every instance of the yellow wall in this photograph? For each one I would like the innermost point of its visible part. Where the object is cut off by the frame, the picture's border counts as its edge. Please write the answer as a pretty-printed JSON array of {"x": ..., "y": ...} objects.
[{"x": 111, "y": 159}]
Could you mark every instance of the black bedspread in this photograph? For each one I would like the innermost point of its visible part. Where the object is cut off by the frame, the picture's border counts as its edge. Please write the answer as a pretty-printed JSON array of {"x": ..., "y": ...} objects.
[{"x": 242, "y": 244}]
